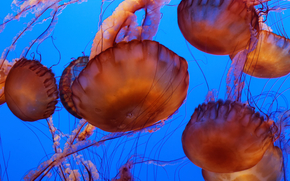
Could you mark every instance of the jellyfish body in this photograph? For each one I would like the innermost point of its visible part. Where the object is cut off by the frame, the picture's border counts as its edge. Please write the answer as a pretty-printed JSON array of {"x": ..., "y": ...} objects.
[
  {"x": 269, "y": 168},
  {"x": 30, "y": 90},
  {"x": 217, "y": 27},
  {"x": 270, "y": 58},
  {"x": 131, "y": 86},
  {"x": 68, "y": 76},
  {"x": 4, "y": 70},
  {"x": 226, "y": 137}
]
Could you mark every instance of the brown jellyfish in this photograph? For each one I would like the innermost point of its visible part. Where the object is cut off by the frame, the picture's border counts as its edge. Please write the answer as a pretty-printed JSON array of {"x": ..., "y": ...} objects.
[
  {"x": 226, "y": 137},
  {"x": 131, "y": 86},
  {"x": 270, "y": 58},
  {"x": 269, "y": 168},
  {"x": 30, "y": 90},
  {"x": 219, "y": 27},
  {"x": 68, "y": 76},
  {"x": 4, "y": 70}
]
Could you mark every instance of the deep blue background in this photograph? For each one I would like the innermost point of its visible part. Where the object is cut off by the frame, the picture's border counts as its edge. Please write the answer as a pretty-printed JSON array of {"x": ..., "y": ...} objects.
[{"x": 25, "y": 145}]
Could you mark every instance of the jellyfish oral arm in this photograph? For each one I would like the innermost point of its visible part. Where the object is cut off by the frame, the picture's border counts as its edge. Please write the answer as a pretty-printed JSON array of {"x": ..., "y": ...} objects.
[{"x": 124, "y": 16}]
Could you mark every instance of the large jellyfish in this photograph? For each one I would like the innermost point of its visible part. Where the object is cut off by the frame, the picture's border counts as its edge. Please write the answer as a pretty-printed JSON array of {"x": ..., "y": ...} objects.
[
  {"x": 218, "y": 27},
  {"x": 226, "y": 137},
  {"x": 129, "y": 86}
]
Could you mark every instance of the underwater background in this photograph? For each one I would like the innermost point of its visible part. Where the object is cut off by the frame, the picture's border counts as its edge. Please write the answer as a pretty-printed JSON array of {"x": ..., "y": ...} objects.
[{"x": 156, "y": 155}]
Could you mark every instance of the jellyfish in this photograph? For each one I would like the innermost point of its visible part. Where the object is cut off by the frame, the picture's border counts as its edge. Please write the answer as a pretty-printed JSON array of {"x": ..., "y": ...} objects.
[
  {"x": 226, "y": 137},
  {"x": 270, "y": 58},
  {"x": 124, "y": 173},
  {"x": 270, "y": 167},
  {"x": 131, "y": 86},
  {"x": 30, "y": 90},
  {"x": 68, "y": 76},
  {"x": 218, "y": 27}
]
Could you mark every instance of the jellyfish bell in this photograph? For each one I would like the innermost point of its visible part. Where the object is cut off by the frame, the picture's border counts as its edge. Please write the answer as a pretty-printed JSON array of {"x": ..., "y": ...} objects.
[
  {"x": 67, "y": 78},
  {"x": 30, "y": 90},
  {"x": 269, "y": 168},
  {"x": 270, "y": 58},
  {"x": 226, "y": 137},
  {"x": 131, "y": 86},
  {"x": 217, "y": 27}
]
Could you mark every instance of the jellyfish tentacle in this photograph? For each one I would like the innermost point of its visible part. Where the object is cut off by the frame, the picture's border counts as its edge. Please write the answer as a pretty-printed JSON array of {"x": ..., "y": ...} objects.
[
  {"x": 4, "y": 70},
  {"x": 124, "y": 16}
]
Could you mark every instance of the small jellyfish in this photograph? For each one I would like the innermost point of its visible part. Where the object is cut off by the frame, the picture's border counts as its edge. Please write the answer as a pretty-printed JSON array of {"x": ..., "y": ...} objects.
[
  {"x": 226, "y": 137},
  {"x": 131, "y": 86},
  {"x": 4, "y": 70},
  {"x": 217, "y": 27},
  {"x": 125, "y": 173},
  {"x": 68, "y": 76},
  {"x": 269, "y": 168},
  {"x": 270, "y": 58},
  {"x": 30, "y": 90}
]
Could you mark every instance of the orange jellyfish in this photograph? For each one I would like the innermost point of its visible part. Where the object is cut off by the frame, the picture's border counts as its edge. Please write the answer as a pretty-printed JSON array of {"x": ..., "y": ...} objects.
[
  {"x": 131, "y": 84},
  {"x": 30, "y": 90},
  {"x": 120, "y": 26},
  {"x": 218, "y": 27},
  {"x": 68, "y": 76},
  {"x": 4, "y": 70},
  {"x": 270, "y": 58},
  {"x": 269, "y": 168},
  {"x": 226, "y": 137}
]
